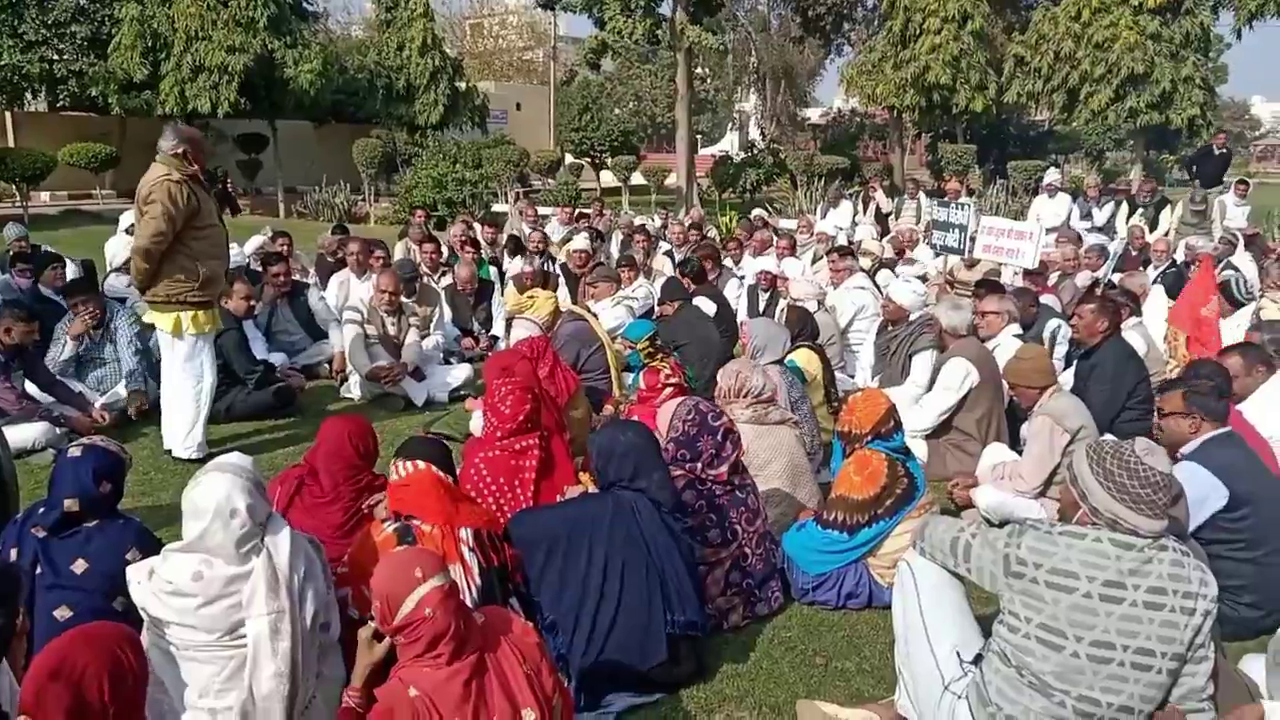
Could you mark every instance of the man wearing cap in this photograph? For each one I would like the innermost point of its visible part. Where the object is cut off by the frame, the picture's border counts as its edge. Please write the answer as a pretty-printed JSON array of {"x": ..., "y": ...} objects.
[
  {"x": 761, "y": 298},
  {"x": 1007, "y": 487},
  {"x": 1109, "y": 375},
  {"x": 477, "y": 314},
  {"x": 1051, "y": 209},
  {"x": 636, "y": 291},
  {"x": 45, "y": 296},
  {"x": 963, "y": 410},
  {"x": 600, "y": 292},
  {"x": 297, "y": 323},
  {"x": 1191, "y": 216},
  {"x": 392, "y": 352},
  {"x": 1233, "y": 500},
  {"x": 900, "y": 354},
  {"x": 1236, "y": 305},
  {"x": 854, "y": 302},
  {"x": 579, "y": 254},
  {"x": 1069, "y": 632},
  {"x": 708, "y": 298},
  {"x": 692, "y": 336},
  {"x": 117, "y": 283},
  {"x": 16, "y": 239},
  {"x": 1150, "y": 207}
]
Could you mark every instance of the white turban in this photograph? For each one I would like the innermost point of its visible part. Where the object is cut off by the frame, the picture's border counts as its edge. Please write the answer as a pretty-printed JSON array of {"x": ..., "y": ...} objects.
[
  {"x": 759, "y": 213},
  {"x": 238, "y": 258},
  {"x": 126, "y": 221},
  {"x": 913, "y": 270},
  {"x": 254, "y": 245},
  {"x": 805, "y": 290},
  {"x": 581, "y": 241},
  {"x": 765, "y": 263},
  {"x": 117, "y": 250},
  {"x": 826, "y": 227},
  {"x": 792, "y": 267},
  {"x": 872, "y": 246},
  {"x": 907, "y": 293},
  {"x": 1052, "y": 176},
  {"x": 862, "y": 233},
  {"x": 643, "y": 221}
]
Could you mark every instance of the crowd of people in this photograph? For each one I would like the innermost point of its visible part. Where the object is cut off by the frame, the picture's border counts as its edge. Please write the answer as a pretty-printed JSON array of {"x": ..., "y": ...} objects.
[{"x": 678, "y": 433}]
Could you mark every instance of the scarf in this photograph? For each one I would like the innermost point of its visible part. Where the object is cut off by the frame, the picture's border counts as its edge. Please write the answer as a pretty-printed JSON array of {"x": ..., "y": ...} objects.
[
  {"x": 805, "y": 334},
  {"x": 767, "y": 340},
  {"x": 615, "y": 371},
  {"x": 452, "y": 662},
  {"x": 97, "y": 670},
  {"x": 895, "y": 346},
  {"x": 329, "y": 494},
  {"x": 653, "y": 387},
  {"x": 749, "y": 395},
  {"x": 611, "y": 569}
]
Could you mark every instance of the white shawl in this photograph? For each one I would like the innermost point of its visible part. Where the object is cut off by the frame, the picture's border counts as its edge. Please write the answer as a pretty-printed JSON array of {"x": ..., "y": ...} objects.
[{"x": 239, "y": 616}]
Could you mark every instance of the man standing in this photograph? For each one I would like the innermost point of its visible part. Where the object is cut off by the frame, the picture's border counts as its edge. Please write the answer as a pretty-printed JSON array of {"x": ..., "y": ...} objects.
[
  {"x": 1110, "y": 376},
  {"x": 179, "y": 264},
  {"x": 1208, "y": 165},
  {"x": 297, "y": 322}
]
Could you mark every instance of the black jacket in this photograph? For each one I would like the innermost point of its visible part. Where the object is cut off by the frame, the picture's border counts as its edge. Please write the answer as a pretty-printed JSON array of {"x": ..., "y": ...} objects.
[
  {"x": 1207, "y": 167},
  {"x": 48, "y": 313},
  {"x": 1112, "y": 381},
  {"x": 1172, "y": 278},
  {"x": 692, "y": 336},
  {"x": 237, "y": 365}
]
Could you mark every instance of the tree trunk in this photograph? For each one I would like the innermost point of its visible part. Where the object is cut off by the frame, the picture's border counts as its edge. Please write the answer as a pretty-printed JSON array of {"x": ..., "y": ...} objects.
[
  {"x": 897, "y": 148},
  {"x": 278, "y": 159},
  {"x": 1139, "y": 153},
  {"x": 122, "y": 123},
  {"x": 686, "y": 177},
  {"x": 959, "y": 131}
]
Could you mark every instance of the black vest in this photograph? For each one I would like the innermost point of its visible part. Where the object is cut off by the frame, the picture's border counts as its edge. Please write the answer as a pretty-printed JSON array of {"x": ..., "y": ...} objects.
[
  {"x": 472, "y": 315},
  {"x": 1035, "y": 333},
  {"x": 301, "y": 309},
  {"x": 722, "y": 280},
  {"x": 753, "y": 303},
  {"x": 725, "y": 320},
  {"x": 1152, "y": 211},
  {"x": 572, "y": 281},
  {"x": 1242, "y": 539}
]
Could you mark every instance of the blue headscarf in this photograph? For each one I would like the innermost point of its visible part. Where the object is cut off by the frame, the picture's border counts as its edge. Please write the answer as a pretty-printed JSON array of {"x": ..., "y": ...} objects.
[
  {"x": 72, "y": 547},
  {"x": 611, "y": 569},
  {"x": 818, "y": 550},
  {"x": 636, "y": 332}
]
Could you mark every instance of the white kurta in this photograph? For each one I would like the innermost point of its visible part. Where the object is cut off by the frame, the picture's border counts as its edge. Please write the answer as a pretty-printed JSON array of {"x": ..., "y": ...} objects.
[{"x": 855, "y": 304}]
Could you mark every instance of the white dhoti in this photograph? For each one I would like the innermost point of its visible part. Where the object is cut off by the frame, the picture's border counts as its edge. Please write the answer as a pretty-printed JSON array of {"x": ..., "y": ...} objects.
[
  {"x": 438, "y": 381},
  {"x": 114, "y": 399},
  {"x": 188, "y": 377},
  {"x": 999, "y": 506},
  {"x": 25, "y": 438},
  {"x": 936, "y": 640},
  {"x": 320, "y": 352}
]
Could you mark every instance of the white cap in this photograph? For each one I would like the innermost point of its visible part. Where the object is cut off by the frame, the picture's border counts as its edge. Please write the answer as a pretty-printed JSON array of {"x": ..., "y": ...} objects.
[
  {"x": 907, "y": 293},
  {"x": 237, "y": 257}
]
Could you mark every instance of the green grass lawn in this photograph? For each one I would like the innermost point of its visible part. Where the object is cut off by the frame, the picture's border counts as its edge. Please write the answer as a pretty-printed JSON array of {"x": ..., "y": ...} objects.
[{"x": 758, "y": 672}]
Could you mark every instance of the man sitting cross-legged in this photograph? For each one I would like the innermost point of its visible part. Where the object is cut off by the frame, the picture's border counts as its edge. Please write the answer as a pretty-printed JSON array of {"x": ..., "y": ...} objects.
[
  {"x": 98, "y": 350},
  {"x": 29, "y": 425},
  {"x": 297, "y": 322},
  {"x": 477, "y": 314},
  {"x": 248, "y": 388},
  {"x": 390, "y": 352}
]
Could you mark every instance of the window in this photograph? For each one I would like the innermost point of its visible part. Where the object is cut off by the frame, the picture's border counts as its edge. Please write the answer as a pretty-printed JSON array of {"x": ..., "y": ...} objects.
[{"x": 517, "y": 107}]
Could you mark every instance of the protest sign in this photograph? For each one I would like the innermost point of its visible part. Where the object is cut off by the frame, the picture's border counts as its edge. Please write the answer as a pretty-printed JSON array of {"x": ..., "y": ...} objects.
[
  {"x": 951, "y": 227},
  {"x": 1010, "y": 242}
]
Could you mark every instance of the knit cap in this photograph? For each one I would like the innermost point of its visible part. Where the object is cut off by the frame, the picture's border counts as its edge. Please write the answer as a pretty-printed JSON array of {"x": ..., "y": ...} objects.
[
  {"x": 1030, "y": 367},
  {"x": 15, "y": 231},
  {"x": 1235, "y": 288},
  {"x": 1126, "y": 485}
]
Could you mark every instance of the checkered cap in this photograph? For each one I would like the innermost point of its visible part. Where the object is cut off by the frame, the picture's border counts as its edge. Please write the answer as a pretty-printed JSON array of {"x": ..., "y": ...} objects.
[
  {"x": 1126, "y": 485},
  {"x": 13, "y": 231}
]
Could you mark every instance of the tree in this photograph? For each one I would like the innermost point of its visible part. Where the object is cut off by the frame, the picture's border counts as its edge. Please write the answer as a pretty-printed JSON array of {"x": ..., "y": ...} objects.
[
  {"x": 1155, "y": 77},
  {"x": 623, "y": 167},
  {"x": 499, "y": 41},
  {"x": 642, "y": 23},
  {"x": 452, "y": 176},
  {"x": 370, "y": 157},
  {"x": 655, "y": 176},
  {"x": 54, "y": 52},
  {"x": 94, "y": 158},
  {"x": 1242, "y": 126},
  {"x": 419, "y": 85},
  {"x": 24, "y": 169},
  {"x": 591, "y": 126},
  {"x": 928, "y": 59}
]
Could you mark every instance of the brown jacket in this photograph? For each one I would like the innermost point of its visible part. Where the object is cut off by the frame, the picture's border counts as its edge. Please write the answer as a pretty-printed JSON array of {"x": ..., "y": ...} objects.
[
  {"x": 180, "y": 252},
  {"x": 979, "y": 420}
]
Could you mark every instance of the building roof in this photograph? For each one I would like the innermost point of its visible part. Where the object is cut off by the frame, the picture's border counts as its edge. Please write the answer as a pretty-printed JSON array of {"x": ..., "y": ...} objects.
[{"x": 1266, "y": 141}]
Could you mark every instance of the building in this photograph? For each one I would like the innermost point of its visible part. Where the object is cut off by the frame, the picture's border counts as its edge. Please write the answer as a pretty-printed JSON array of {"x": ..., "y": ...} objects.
[{"x": 1267, "y": 112}]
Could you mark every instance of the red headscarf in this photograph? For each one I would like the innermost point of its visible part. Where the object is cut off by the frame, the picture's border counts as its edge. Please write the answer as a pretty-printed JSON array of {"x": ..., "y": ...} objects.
[
  {"x": 327, "y": 495},
  {"x": 1195, "y": 313},
  {"x": 452, "y": 661},
  {"x": 522, "y": 457},
  {"x": 655, "y": 385},
  {"x": 97, "y": 670}
]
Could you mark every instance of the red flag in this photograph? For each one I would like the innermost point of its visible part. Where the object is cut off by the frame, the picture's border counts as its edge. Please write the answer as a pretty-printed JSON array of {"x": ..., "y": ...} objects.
[{"x": 1195, "y": 313}]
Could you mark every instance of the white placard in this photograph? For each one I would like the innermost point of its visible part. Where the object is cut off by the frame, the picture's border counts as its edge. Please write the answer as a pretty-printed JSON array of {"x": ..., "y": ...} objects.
[{"x": 1008, "y": 242}]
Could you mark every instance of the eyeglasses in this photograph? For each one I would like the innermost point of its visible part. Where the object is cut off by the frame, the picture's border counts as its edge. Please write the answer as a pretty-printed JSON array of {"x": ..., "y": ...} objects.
[{"x": 1170, "y": 414}]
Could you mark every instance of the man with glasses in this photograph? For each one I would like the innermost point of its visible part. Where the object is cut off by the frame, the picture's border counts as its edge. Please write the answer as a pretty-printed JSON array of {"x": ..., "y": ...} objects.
[{"x": 1232, "y": 500}]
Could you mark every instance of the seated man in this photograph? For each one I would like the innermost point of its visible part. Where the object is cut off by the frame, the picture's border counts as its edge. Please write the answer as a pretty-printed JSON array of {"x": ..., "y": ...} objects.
[
  {"x": 354, "y": 282},
  {"x": 1042, "y": 325},
  {"x": 248, "y": 388},
  {"x": 17, "y": 239},
  {"x": 1109, "y": 375},
  {"x": 963, "y": 410},
  {"x": 282, "y": 241},
  {"x": 1232, "y": 499},
  {"x": 477, "y": 314},
  {"x": 1008, "y": 487},
  {"x": 636, "y": 291},
  {"x": 98, "y": 350},
  {"x": 1255, "y": 388},
  {"x": 577, "y": 337},
  {"x": 390, "y": 352},
  {"x": 331, "y": 255},
  {"x": 900, "y": 354},
  {"x": 708, "y": 298},
  {"x": 21, "y": 276},
  {"x": 297, "y": 323},
  {"x": 1137, "y": 334},
  {"x": 604, "y": 301},
  {"x": 1078, "y": 605},
  {"x": 45, "y": 296},
  {"x": 692, "y": 336}
]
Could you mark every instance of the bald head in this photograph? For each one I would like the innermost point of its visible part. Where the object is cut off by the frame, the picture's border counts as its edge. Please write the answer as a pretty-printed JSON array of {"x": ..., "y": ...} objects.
[
  {"x": 466, "y": 277},
  {"x": 1136, "y": 282},
  {"x": 386, "y": 290}
]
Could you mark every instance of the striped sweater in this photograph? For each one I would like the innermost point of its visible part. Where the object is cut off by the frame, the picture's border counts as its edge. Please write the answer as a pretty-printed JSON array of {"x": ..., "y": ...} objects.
[{"x": 1092, "y": 623}]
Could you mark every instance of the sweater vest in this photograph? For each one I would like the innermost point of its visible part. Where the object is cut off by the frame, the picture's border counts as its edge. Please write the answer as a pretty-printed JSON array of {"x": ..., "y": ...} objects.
[
  {"x": 472, "y": 315},
  {"x": 301, "y": 309},
  {"x": 978, "y": 421},
  {"x": 753, "y": 303},
  {"x": 1151, "y": 213}
]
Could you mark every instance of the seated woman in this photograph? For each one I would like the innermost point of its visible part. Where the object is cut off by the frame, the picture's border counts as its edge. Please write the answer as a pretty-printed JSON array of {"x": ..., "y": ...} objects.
[
  {"x": 656, "y": 375},
  {"x": 615, "y": 577},
  {"x": 521, "y": 458},
  {"x": 846, "y": 556},
  {"x": 73, "y": 546},
  {"x": 239, "y": 615},
  {"x": 810, "y": 362},
  {"x": 771, "y": 446},
  {"x": 425, "y": 508},
  {"x": 767, "y": 342},
  {"x": 96, "y": 670},
  {"x": 13, "y": 637},
  {"x": 451, "y": 661},
  {"x": 720, "y": 510}
]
